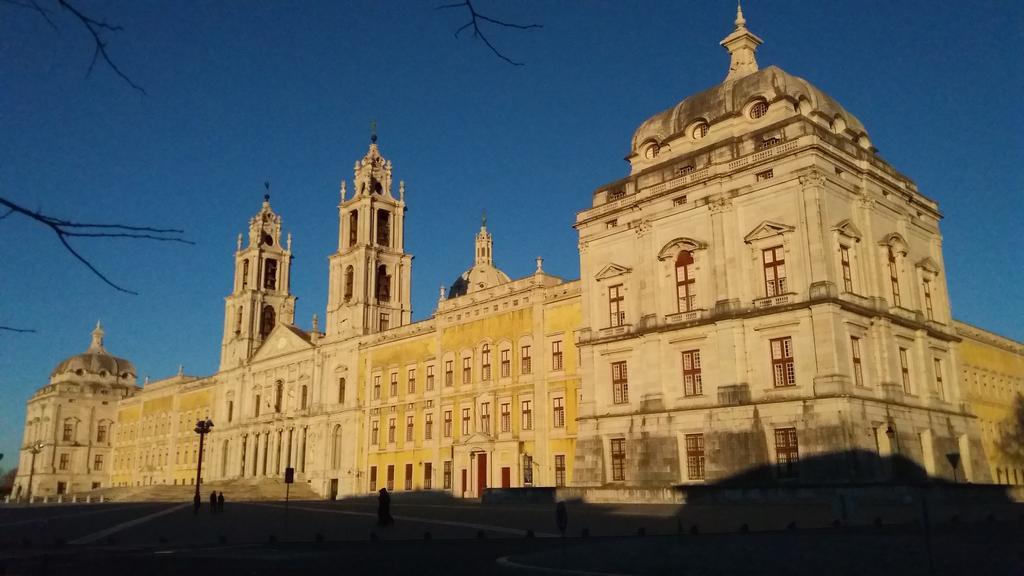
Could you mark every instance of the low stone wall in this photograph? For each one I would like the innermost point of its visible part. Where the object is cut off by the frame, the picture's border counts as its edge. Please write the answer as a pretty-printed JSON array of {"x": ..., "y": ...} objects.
[
  {"x": 519, "y": 496},
  {"x": 622, "y": 495}
]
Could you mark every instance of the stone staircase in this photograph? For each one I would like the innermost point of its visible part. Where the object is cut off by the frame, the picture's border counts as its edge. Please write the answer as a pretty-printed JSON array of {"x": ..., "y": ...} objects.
[{"x": 237, "y": 490}]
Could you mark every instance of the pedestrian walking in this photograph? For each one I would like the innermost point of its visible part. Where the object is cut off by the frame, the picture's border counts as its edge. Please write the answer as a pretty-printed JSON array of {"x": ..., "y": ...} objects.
[
  {"x": 384, "y": 509},
  {"x": 213, "y": 502},
  {"x": 220, "y": 502},
  {"x": 561, "y": 517},
  {"x": 196, "y": 504}
]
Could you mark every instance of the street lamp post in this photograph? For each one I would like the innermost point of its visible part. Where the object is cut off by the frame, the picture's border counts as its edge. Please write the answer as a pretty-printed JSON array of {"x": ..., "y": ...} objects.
[
  {"x": 34, "y": 449},
  {"x": 203, "y": 427}
]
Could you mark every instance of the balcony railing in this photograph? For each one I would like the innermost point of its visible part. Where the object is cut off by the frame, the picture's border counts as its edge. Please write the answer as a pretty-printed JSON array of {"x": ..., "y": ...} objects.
[
  {"x": 772, "y": 301},
  {"x": 687, "y": 316}
]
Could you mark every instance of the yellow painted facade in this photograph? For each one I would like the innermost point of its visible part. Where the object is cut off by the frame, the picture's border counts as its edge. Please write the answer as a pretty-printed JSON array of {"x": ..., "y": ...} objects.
[{"x": 992, "y": 377}]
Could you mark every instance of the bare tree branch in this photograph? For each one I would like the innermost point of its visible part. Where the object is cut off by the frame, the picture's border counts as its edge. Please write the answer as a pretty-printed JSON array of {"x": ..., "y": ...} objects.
[
  {"x": 12, "y": 329},
  {"x": 65, "y": 229},
  {"x": 474, "y": 21},
  {"x": 95, "y": 27}
]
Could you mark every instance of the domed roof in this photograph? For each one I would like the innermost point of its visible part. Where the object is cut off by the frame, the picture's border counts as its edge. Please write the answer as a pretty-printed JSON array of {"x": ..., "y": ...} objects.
[
  {"x": 479, "y": 277},
  {"x": 744, "y": 84},
  {"x": 96, "y": 361},
  {"x": 483, "y": 274}
]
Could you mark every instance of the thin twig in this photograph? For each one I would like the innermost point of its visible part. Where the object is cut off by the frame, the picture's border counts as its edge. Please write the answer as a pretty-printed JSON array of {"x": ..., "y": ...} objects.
[
  {"x": 474, "y": 22},
  {"x": 96, "y": 27},
  {"x": 12, "y": 329},
  {"x": 65, "y": 229},
  {"x": 33, "y": 5}
]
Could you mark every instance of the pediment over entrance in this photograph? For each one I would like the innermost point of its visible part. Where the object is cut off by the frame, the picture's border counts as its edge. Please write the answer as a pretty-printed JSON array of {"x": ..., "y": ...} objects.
[
  {"x": 847, "y": 228},
  {"x": 282, "y": 340}
]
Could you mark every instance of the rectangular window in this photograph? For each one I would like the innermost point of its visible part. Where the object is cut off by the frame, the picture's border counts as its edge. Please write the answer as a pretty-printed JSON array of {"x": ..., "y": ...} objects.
[
  {"x": 928, "y": 310},
  {"x": 449, "y": 377},
  {"x": 506, "y": 417},
  {"x": 376, "y": 387},
  {"x": 525, "y": 362},
  {"x": 527, "y": 420},
  {"x": 506, "y": 363},
  {"x": 373, "y": 478},
  {"x": 393, "y": 389},
  {"x": 410, "y": 381},
  {"x": 556, "y": 355},
  {"x": 374, "y": 432},
  {"x": 693, "y": 384},
  {"x": 65, "y": 462},
  {"x": 937, "y": 364},
  {"x": 618, "y": 459},
  {"x": 465, "y": 421},
  {"x": 256, "y": 408},
  {"x": 905, "y": 370},
  {"x": 467, "y": 370},
  {"x": 559, "y": 470},
  {"x": 527, "y": 470},
  {"x": 894, "y": 277},
  {"x": 101, "y": 432},
  {"x": 447, "y": 423},
  {"x": 620, "y": 383},
  {"x": 409, "y": 427},
  {"x": 97, "y": 463},
  {"x": 485, "y": 417},
  {"x": 391, "y": 478},
  {"x": 558, "y": 412},
  {"x": 391, "y": 430},
  {"x": 430, "y": 377},
  {"x": 616, "y": 314},
  {"x": 774, "y": 271},
  {"x": 783, "y": 369},
  {"x": 787, "y": 453},
  {"x": 428, "y": 475},
  {"x": 231, "y": 409},
  {"x": 844, "y": 259},
  {"x": 428, "y": 426},
  {"x": 858, "y": 371},
  {"x": 69, "y": 431},
  {"x": 341, "y": 391},
  {"x": 270, "y": 274},
  {"x": 408, "y": 476},
  {"x": 447, "y": 474},
  {"x": 764, "y": 175},
  {"x": 485, "y": 363},
  {"x": 385, "y": 321},
  {"x": 686, "y": 297},
  {"x": 695, "y": 456}
]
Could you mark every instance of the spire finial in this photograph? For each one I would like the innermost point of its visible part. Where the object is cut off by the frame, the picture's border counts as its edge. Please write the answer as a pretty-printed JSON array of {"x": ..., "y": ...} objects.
[
  {"x": 741, "y": 45},
  {"x": 540, "y": 266},
  {"x": 483, "y": 219},
  {"x": 266, "y": 196},
  {"x": 342, "y": 190},
  {"x": 373, "y": 131},
  {"x": 740, "y": 21},
  {"x": 97, "y": 338}
]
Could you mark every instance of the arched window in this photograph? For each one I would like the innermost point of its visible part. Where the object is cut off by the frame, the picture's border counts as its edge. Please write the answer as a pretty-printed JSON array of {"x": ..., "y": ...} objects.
[
  {"x": 278, "y": 396},
  {"x": 238, "y": 320},
  {"x": 267, "y": 319},
  {"x": 894, "y": 276},
  {"x": 383, "y": 227},
  {"x": 685, "y": 281},
  {"x": 270, "y": 274},
  {"x": 353, "y": 227},
  {"x": 383, "y": 284},
  {"x": 349, "y": 279},
  {"x": 341, "y": 390},
  {"x": 302, "y": 398},
  {"x": 245, "y": 274}
]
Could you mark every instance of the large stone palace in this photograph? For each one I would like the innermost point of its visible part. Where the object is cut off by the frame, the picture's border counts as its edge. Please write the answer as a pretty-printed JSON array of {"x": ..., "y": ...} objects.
[{"x": 761, "y": 292}]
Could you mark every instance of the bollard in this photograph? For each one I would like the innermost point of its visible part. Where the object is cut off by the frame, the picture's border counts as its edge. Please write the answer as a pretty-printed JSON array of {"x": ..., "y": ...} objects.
[
  {"x": 694, "y": 529},
  {"x": 46, "y": 499},
  {"x": 74, "y": 499},
  {"x": 60, "y": 498},
  {"x": 585, "y": 533},
  {"x": 791, "y": 525},
  {"x": 88, "y": 499},
  {"x": 529, "y": 533},
  {"x": 427, "y": 535},
  {"x": 641, "y": 531},
  {"x": 102, "y": 499},
  {"x": 480, "y": 534}
]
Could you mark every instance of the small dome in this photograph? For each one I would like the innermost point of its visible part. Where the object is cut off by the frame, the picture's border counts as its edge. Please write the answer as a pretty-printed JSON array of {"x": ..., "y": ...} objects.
[
  {"x": 479, "y": 277},
  {"x": 96, "y": 361}
]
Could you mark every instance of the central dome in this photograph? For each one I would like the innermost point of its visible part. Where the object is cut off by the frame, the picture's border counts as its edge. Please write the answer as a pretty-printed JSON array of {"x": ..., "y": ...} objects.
[{"x": 483, "y": 274}]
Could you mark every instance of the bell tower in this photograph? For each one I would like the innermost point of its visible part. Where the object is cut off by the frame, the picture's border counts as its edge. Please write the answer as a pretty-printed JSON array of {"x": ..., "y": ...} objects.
[
  {"x": 370, "y": 274},
  {"x": 261, "y": 297}
]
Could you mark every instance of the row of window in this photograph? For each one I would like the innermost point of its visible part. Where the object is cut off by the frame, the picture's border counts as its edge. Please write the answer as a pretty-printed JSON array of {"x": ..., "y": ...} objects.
[
  {"x": 447, "y": 479},
  {"x": 383, "y": 231},
  {"x": 466, "y": 374},
  {"x": 269, "y": 274},
  {"x": 70, "y": 431},
  {"x": 278, "y": 401},
  {"x": 787, "y": 455},
  {"x": 773, "y": 261},
  {"x": 484, "y": 424},
  {"x": 783, "y": 370},
  {"x": 64, "y": 462}
]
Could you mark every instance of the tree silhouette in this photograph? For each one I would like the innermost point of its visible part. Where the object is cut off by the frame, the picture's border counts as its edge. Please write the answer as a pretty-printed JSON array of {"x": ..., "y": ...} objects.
[
  {"x": 1011, "y": 441},
  {"x": 475, "y": 18}
]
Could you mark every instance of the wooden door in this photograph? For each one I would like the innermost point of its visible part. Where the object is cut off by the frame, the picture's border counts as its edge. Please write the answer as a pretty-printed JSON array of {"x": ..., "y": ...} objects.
[
  {"x": 506, "y": 477},
  {"x": 464, "y": 487},
  {"x": 481, "y": 474}
]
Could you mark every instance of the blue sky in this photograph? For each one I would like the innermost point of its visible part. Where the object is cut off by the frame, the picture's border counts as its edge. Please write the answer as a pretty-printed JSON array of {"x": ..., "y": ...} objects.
[{"x": 240, "y": 93}]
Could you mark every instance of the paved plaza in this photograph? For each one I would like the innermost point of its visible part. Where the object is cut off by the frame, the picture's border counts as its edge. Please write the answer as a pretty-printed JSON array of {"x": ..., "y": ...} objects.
[{"x": 445, "y": 536}]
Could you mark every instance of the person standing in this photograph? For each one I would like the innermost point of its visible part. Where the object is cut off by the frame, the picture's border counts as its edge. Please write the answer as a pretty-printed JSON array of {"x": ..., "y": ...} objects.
[
  {"x": 196, "y": 504},
  {"x": 213, "y": 502},
  {"x": 384, "y": 509},
  {"x": 220, "y": 502}
]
